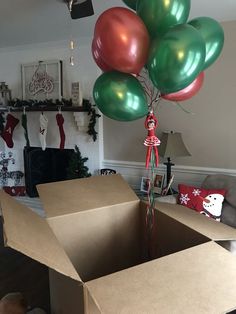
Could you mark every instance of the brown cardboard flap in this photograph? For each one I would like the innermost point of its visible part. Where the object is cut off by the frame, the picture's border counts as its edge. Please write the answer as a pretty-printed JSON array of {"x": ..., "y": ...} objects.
[
  {"x": 30, "y": 234},
  {"x": 66, "y": 197},
  {"x": 208, "y": 227},
  {"x": 198, "y": 280},
  {"x": 102, "y": 241}
]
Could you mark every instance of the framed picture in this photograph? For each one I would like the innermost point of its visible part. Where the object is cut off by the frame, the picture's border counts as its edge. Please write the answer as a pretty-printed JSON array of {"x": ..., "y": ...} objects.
[
  {"x": 42, "y": 80},
  {"x": 159, "y": 183},
  {"x": 145, "y": 184}
]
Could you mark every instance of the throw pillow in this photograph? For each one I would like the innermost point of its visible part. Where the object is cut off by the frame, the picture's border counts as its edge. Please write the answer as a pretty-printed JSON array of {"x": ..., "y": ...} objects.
[
  {"x": 15, "y": 190},
  {"x": 207, "y": 202}
]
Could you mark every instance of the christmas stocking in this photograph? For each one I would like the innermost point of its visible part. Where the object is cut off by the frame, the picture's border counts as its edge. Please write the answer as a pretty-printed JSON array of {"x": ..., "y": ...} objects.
[
  {"x": 60, "y": 121},
  {"x": 24, "y": 125},
  {"x": 43, "y": 121},
  {"x": 8, "y": 130}
]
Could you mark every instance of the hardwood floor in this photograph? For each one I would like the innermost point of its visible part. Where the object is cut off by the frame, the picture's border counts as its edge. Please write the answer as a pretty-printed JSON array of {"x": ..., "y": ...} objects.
[{"x": 19, "y": 273}]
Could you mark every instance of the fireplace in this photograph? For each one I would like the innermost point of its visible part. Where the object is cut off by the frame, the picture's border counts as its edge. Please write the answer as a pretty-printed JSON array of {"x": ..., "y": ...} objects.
[{"x": 45, "y": 166}]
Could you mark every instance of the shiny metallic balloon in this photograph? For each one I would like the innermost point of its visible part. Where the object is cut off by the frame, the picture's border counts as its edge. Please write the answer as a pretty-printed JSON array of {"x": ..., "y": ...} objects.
[
  {"x": 98, "y": 59},
  {"x": 160, "y": 15},
  {"x": 122, "y": 40},
  {"x": 213, "y": 35},
  {"x": 131, "y": 3},
  {"x": 120, "y": 96},
  {"x": 176, "y": 59},
  {"x": 187, "y": 92}
]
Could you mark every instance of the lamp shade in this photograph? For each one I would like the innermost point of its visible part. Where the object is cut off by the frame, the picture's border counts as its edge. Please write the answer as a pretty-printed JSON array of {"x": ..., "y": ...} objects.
[{"x": 172, "y": 145}]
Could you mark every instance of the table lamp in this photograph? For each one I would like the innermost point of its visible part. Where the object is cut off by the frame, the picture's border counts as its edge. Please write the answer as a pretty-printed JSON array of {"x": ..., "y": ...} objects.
[{"x": 172, "y": 145}]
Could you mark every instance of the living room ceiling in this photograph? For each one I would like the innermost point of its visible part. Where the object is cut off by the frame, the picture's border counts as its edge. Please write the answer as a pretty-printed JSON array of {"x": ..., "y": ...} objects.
[{"x": 36, "y": 21}]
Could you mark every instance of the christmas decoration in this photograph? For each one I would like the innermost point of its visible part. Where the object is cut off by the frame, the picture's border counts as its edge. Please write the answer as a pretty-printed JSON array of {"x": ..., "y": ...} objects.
[
  {"x": 151, "y": 140},
  {"x": 8, "y": 130},
  {"x": 34, "y": 103},
  {"x": 41, "y": 82},
  {"x": 63, "y": 103},
  {"x": 2, "y": 121},
  {"x": 92, "y": 122},
  {"x": 60, "y": 122},
  {"x": 205, "y": 201},
  {"x": 43, "y": 121},
  {"x": 76, "y": 168},
  {"x": 24, "y": 125},
  {"x": 5, "y": 174},
  {"x": 15, "y": 190}
]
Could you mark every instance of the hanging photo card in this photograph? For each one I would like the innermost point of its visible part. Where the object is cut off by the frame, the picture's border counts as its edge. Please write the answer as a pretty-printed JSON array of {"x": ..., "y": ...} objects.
[
  {"x": 145, "y": 185},
  {"x": 159, "y": 183},
  {"x": 42, "y": 80}
]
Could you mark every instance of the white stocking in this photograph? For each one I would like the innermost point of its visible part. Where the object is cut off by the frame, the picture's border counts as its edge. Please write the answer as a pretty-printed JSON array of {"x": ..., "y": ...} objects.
[{"x": 43, "y": 121}]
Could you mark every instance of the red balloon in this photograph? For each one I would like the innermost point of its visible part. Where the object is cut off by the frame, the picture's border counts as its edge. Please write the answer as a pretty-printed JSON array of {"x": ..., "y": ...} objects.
[
  {"x": 98, "y": 59},
  {"x": 188, "y": 91},
  {"x": 122, "y": 40}
]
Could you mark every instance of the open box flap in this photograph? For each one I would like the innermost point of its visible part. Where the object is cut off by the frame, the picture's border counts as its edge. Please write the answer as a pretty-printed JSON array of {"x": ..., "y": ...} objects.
[
  {"x": 67, "y": 197},
  {"x": 27, "y": 232},
  {"x": 208, "y": 227},
  {"x": 199, "y": 280}
]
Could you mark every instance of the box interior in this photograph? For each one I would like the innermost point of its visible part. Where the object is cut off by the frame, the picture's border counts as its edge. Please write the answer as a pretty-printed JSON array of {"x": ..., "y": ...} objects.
[
  {"x": 121, "y": 239},
  {"x": 94, "y": 243},
  {"x": 99, "y": 242}
]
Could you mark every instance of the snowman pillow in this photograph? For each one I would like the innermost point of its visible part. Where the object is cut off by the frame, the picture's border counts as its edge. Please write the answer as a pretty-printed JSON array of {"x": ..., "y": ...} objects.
[{"x": 207, "y": 202}]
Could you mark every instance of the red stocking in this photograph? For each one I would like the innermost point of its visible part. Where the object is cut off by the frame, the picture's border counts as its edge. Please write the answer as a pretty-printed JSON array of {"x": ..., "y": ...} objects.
[
  {"x": 60, "y": 121},
  {"x": 8, "y": 130}
]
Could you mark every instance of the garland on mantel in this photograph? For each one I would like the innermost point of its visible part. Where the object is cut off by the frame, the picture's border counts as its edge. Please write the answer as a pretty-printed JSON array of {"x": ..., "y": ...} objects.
[
  {"x": 40, "y": 104},
  {"x": 32, "y": 103},
  {"x": 93, "y": 119}
]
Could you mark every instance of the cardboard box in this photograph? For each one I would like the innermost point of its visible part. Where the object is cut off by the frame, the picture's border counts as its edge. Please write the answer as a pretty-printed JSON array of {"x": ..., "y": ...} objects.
[{"x": 96, "y": 243}]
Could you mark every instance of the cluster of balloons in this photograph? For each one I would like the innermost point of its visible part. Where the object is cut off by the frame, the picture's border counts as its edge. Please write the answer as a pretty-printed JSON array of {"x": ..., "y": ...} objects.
[{"x": 157, "y": 36}]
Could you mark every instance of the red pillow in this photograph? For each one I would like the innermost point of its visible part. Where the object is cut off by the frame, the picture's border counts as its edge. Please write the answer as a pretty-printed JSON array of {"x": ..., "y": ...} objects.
[
  {"x": 207, "y": 202},
  {"x": 15, "y": 190}
]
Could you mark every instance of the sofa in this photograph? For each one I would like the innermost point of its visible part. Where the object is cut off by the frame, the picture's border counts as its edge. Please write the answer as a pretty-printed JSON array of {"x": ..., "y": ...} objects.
[
  {"x": 217, "y": 181},
  {"x": 228, "y": 183}
]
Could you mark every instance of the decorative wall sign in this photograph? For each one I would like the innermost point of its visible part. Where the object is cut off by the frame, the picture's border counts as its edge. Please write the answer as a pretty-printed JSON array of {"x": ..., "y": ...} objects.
[
  {"x": 42, "y": 80},
  {"x": 76, "y": 94},
  {"x": 8, "y": 177}
]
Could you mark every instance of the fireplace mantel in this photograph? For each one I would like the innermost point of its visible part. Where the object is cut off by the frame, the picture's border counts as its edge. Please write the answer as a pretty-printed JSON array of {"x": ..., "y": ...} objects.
[{"x": 48, "y": 108}]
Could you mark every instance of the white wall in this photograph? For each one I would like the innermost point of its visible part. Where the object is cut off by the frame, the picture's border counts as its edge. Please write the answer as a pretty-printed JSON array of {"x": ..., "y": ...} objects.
[{"x": 85, "y": 71}]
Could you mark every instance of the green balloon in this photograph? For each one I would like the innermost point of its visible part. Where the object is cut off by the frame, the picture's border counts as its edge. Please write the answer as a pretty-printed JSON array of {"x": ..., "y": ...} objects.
[
  {"x": 120, "y": 96},
  {"x": 131, "y": 3},
  {"x": 160, "y": 15},
  {"x": 213, "y": 35},
  {"x": 176, "y": 59}
]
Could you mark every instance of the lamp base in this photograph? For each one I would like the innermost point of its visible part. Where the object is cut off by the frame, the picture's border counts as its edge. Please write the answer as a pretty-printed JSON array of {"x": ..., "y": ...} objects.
[{"x": 169, "y": 178}]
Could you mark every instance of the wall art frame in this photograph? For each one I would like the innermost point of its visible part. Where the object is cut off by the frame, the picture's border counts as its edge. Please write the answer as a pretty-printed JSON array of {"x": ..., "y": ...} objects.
[{"x": 42, "y": 80}]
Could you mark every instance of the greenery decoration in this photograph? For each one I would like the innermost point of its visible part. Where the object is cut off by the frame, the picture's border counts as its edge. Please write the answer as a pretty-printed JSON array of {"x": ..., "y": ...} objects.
[
  {"x": 32, "y": 103},
  {"x": 93, "y": 120},
  {"x": 76, "y": 168},
  {"x": 2, "y": 120}
]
